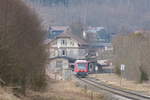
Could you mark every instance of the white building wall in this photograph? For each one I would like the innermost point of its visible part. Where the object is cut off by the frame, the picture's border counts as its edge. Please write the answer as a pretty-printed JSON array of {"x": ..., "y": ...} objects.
[
  {"x": 70, "y": 47},
  {"x": 68, "y": 42}
]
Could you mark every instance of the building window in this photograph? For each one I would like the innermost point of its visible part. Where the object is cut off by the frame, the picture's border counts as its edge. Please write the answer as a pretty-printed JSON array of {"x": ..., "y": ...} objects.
[
  {"x": 63, "y": 53},
  {"x": 63, "y": 42},
  {"x": 72, "y": 43}
]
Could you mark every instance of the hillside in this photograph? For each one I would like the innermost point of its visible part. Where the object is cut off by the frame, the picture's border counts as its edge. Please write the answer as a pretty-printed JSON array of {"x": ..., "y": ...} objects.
[{"x": 115, "y": 15}]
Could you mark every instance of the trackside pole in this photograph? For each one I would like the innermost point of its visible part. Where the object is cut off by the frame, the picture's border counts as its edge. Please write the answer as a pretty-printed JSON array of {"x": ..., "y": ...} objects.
[
  {"x": 122, "y": 68},
  {"x": 96, "y": 69}
]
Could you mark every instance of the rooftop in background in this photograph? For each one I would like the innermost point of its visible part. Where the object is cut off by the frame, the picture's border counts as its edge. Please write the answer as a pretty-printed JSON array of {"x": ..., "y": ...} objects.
[
  {"x": 59, "y": 27},
  {"x": 94, "y": 29},
  {"x": 54, "y": 31},
  {"x": 67, "y": 34},
  {"x": 71, "y": 60},
  {"x": 96, "y": 35}
]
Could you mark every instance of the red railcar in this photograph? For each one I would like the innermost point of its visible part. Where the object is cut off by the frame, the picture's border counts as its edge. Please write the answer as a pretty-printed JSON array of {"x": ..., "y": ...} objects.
[{"x": 81, "y": 68}]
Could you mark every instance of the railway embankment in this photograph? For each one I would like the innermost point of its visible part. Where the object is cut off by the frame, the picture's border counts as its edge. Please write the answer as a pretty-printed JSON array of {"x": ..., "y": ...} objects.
[{"x": 107, "y": 95}]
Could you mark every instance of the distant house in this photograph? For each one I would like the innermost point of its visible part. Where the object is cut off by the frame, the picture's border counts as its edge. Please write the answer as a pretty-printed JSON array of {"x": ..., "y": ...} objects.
[
  {"x": 104, "y": 54},
  {"x": 63, "y": 50},
  {"x": 67, "y": 45},
  {"x": 99, "y": 41},
  {"x": 54, "y": 31},
  {"x": 96, "y": 35}
]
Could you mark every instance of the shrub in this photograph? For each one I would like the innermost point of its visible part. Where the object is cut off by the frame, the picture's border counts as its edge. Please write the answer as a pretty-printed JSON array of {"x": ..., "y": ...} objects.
[
  {"x": 22, "y": 54},
  {"x": 144, "y": 76},
  {"x": 117, "y": 70}
]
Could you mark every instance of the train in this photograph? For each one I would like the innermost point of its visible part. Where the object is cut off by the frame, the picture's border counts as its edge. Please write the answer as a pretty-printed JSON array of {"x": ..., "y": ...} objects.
[{"x": 81, "y": 68}]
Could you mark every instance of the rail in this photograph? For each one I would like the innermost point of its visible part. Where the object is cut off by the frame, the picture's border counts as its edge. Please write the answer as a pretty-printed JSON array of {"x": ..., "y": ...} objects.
[{"x": 121, "y": 92}]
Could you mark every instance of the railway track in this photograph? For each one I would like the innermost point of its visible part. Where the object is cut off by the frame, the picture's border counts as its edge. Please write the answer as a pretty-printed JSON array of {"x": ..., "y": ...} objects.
[{"x": 116, "y": 91}]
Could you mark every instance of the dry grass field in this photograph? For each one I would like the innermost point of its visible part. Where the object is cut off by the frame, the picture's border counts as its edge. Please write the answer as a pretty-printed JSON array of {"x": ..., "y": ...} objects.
[
  {"x": 65, "y": 90},
  {"x": 56, "y": 90},
  {"x": 115, "y": 80},
  {"x": 7, "y": 95}
]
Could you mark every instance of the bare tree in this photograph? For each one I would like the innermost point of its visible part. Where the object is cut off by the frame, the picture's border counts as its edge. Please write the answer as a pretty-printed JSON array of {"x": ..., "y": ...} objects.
[
  {"x": 133, "y": 51},
  {"x": 23, "y": 55}
]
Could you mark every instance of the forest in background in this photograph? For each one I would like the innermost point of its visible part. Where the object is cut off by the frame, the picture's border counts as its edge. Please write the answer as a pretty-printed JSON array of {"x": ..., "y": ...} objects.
[{"x": 117, "y": 16}]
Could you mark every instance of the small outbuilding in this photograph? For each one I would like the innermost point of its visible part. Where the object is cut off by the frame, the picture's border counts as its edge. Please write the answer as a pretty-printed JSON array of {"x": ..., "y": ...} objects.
[{"x": 60, "y": 65}]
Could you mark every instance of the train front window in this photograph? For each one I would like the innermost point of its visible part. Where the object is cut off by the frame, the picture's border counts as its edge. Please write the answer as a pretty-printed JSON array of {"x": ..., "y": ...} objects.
[{"x": 81, "y": 66}]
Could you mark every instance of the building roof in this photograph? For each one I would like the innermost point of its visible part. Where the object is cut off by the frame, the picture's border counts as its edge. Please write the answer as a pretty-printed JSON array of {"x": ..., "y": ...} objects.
[
  {"x": 94, "y": 29},
  {"x": 47, "y": 41},
  {"x": 54, "y": 31},
  {"x": 66, "y": 34},
  {"x": 69, "y": 34},
  {"x": 72, "y": 60},
  {"x": 59, "y": 27}
]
